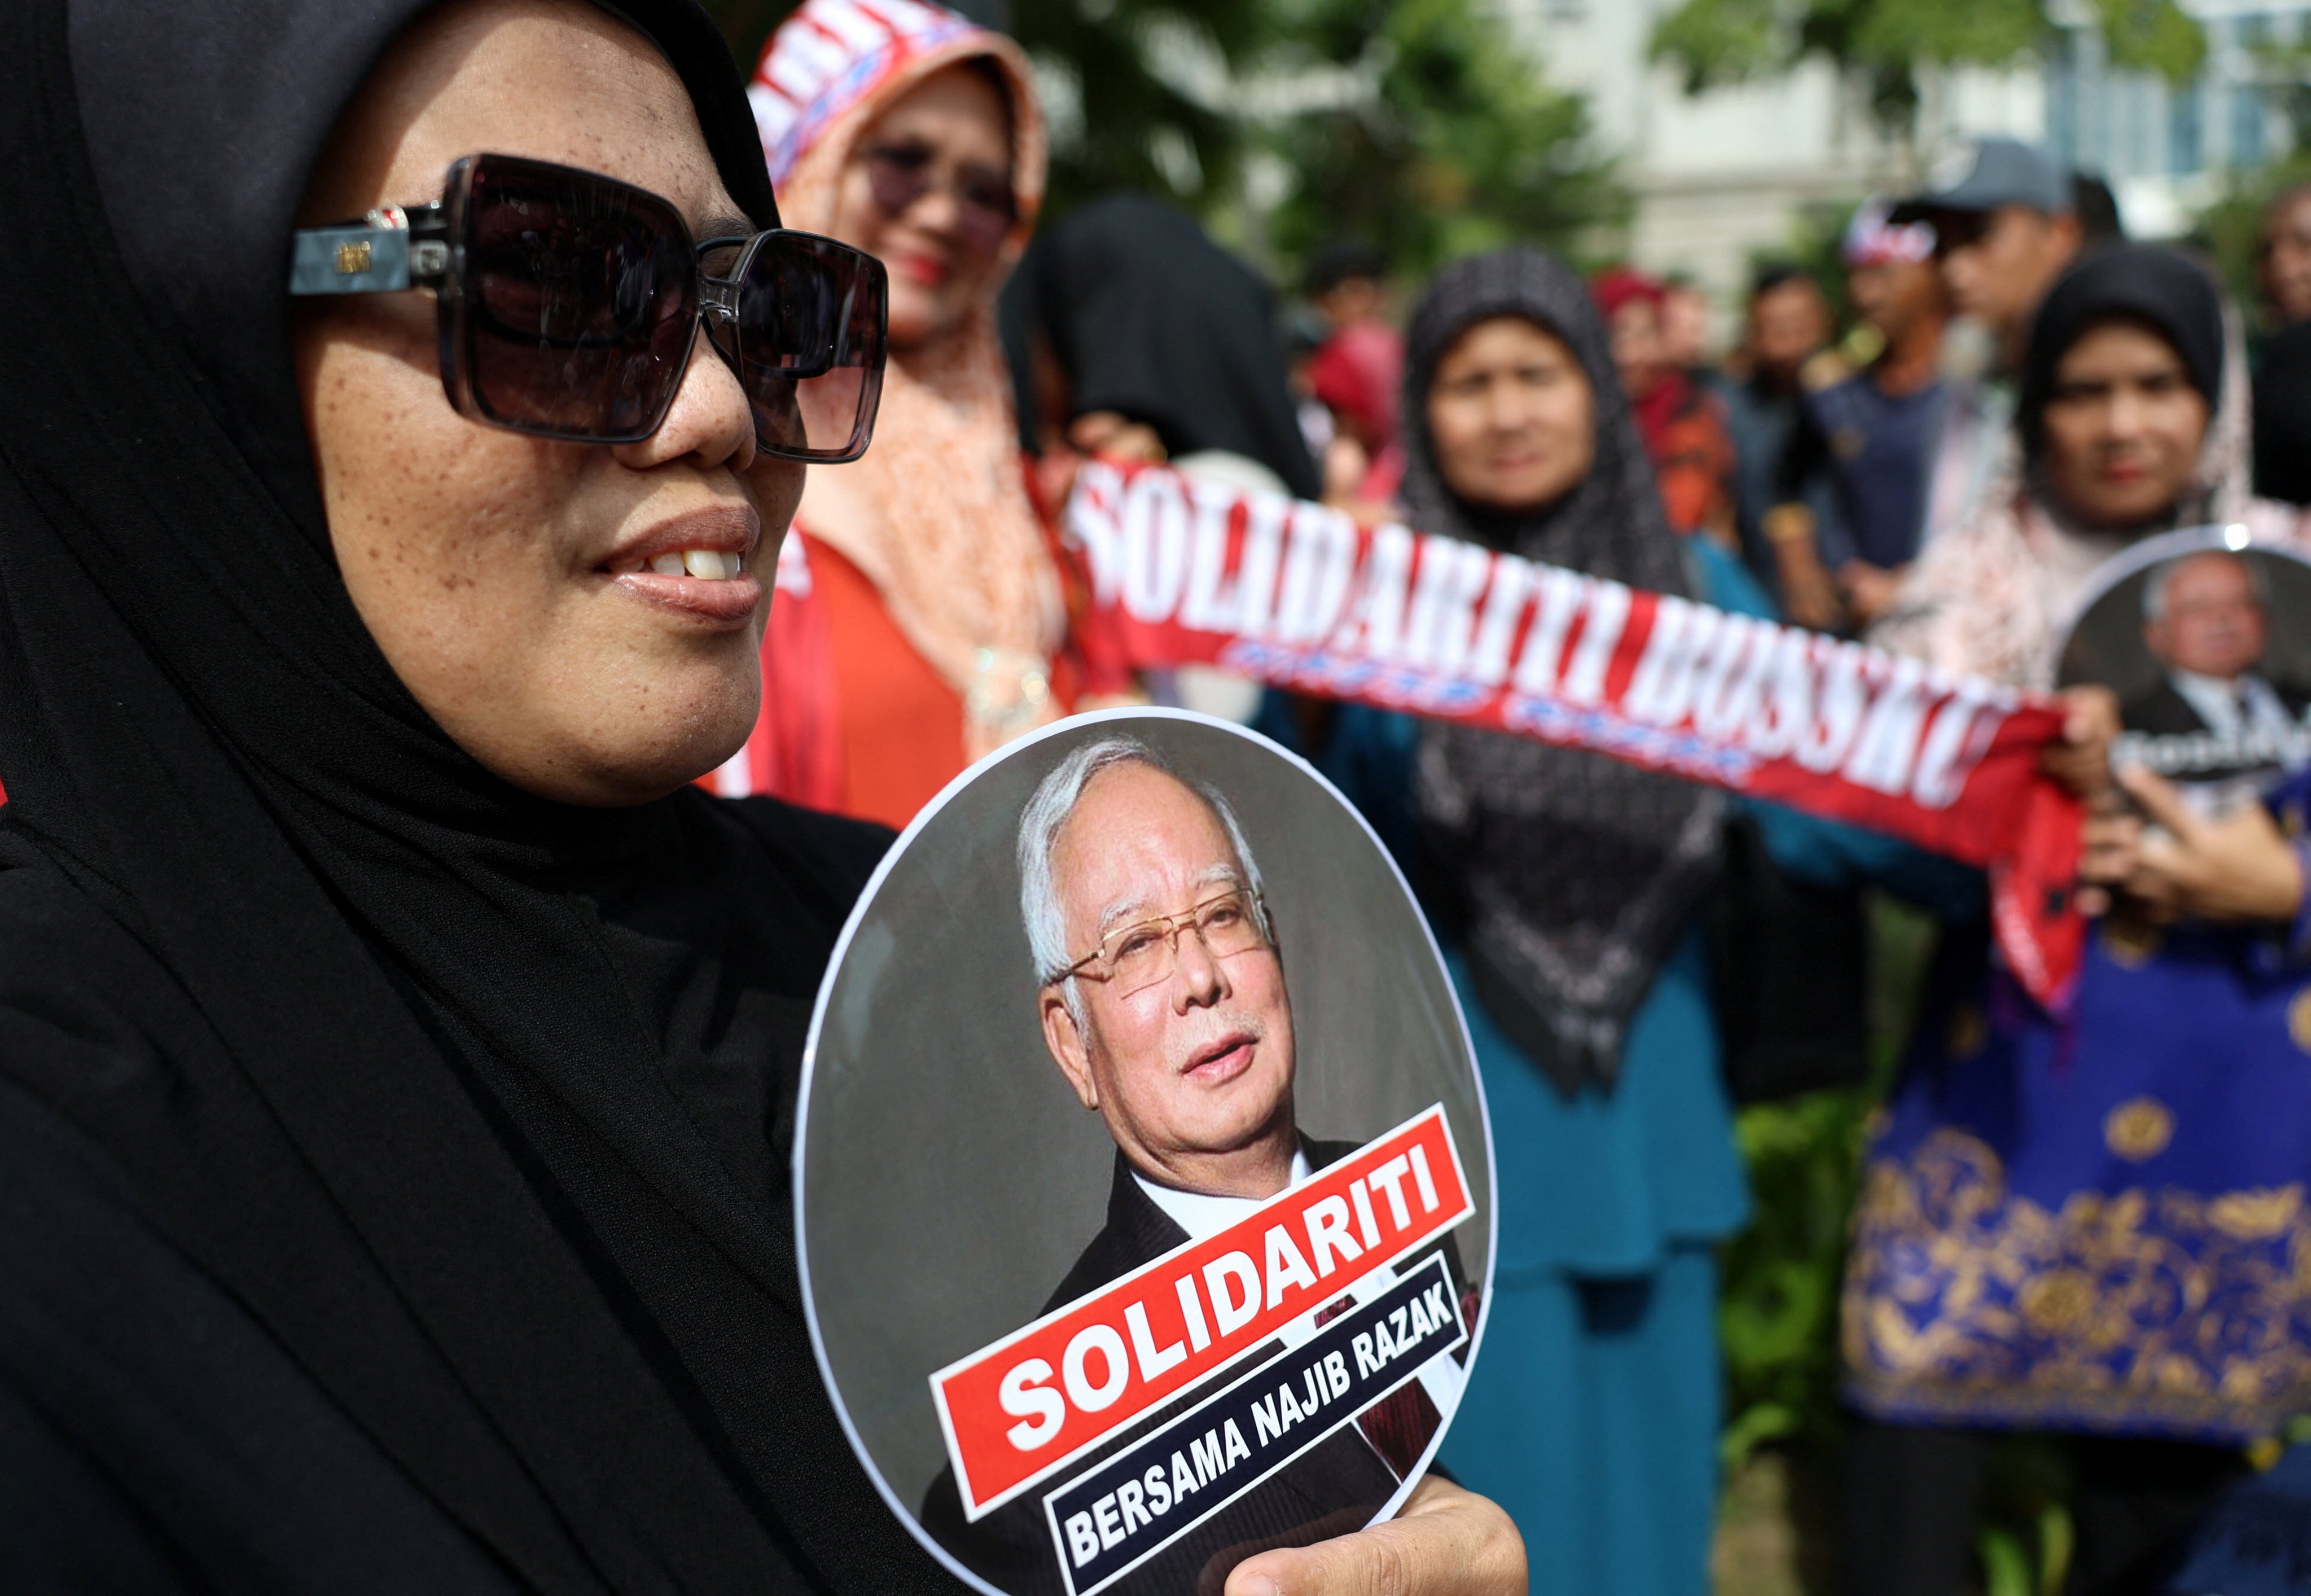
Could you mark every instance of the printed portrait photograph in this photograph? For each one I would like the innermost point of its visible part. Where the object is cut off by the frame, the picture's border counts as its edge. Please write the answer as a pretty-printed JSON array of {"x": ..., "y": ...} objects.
[
  {"x": 2206, "y": 640},
  {"x": 1142, "y": 1175}
]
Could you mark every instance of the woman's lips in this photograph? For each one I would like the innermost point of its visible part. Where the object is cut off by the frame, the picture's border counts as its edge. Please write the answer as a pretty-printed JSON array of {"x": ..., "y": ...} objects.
[
  {"x": 695, "y": 565},
  {"x": 720, "y": 601},
  {"x": 922, "y": 268}
]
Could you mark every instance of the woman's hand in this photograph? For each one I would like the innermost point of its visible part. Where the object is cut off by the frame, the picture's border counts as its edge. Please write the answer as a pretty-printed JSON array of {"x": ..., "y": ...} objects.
[
  {"x": 2081, "y": 760},
  {"x": 1869, "y": 589},
  {"x": 1110, "y": 433},
  {"x": 1808, "y": 596},
  {"x": 2183, "y": 864},
  {"x": 1446, "y": 1542}
]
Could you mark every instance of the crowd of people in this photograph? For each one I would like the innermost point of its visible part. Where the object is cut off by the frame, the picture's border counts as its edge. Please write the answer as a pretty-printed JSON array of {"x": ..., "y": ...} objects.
[
  {"x": 391, "y": 1182},
  {"x": 2024, "y": 394}
]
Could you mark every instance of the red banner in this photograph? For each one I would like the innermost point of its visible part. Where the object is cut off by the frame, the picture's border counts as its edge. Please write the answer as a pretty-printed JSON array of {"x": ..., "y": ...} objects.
[
  {"x": 1014, "y": 1412},
  {"x": 1298, "y": 594}
]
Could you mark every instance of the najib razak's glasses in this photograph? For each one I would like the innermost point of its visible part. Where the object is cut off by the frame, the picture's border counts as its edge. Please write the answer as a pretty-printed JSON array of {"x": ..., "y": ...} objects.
[
  {"x": 1139, "y": 955},
  {"x": 569, "y": 303}
]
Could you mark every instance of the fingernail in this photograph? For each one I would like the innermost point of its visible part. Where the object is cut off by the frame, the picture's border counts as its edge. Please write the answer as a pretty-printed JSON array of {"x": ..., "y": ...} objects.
[{"x": 1262, "y": 1584}]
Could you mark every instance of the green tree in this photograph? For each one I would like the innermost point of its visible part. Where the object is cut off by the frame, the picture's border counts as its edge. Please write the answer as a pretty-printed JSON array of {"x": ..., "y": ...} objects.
[
  {"x": 1419, "y": 126},
  {"x": 1120, "y": 79},
  {"x": 1882, "y": 44},
  {"x": 1456, "y": 144}
]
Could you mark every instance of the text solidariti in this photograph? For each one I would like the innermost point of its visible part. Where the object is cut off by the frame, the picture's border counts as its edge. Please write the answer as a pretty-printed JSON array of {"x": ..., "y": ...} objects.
[
  {"x": 1015, "y": 1411},
  {"x": 1296, "y": 593}
]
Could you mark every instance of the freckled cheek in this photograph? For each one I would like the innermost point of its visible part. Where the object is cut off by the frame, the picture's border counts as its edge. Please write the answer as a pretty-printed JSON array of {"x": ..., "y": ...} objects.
[{"x": 442, "y": 525}]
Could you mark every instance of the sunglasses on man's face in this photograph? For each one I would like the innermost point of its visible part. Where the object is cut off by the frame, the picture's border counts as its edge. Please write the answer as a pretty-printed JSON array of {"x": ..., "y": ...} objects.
[{"x": 569, "y": 303}]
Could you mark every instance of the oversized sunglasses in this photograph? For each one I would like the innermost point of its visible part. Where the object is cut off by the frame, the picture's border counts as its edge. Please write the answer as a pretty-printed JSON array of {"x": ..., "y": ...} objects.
[{"x": 569, "y": 303}]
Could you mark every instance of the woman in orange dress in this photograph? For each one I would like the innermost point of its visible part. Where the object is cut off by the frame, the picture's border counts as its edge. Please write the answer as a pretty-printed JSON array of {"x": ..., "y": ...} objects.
[
  {"x": 921, "y": 618},
  {"x": 1683, "y": 423}
]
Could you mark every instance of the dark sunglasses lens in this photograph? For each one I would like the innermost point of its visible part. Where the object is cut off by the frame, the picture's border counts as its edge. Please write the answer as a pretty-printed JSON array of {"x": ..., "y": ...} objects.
[
  {"x": 578, "y": 301},
  {"x": 986, "y": 208},
  {"x": 810, "y": 339},
  {"x": 897, "y": 176}
]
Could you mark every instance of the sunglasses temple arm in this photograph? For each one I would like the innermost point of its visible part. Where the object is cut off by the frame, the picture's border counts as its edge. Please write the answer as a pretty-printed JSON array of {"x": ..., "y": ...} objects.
[{"x": 383, "y": 253}]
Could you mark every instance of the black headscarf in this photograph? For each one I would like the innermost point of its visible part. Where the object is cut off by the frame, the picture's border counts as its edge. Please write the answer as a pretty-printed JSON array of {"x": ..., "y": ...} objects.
[
  {"x": 2166, "y": 289},
  {"x": 1149, "y": 317},
  {"x": 1570, "y": 874},
  {"x": 479, "y": 1104},
  {"x": 2282, "y": 417}
]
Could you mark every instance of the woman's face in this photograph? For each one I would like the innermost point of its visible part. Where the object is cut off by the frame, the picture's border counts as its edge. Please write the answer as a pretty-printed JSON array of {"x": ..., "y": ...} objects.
[
  {"x": 513, "y": 582},
  {"x": 2123, "y": 427},
  {"x": 1511, "y": 416},
  {"x": 928, "y": 192},
  {"x": 1637, "y": 347}
]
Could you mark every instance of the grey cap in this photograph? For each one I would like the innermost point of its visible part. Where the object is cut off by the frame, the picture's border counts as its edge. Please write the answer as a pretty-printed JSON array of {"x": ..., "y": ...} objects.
[{"x": 1983, "y": 174}]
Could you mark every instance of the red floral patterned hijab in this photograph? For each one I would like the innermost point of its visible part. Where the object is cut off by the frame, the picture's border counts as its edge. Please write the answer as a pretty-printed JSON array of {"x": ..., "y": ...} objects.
[{"x": 942, "y": 526}]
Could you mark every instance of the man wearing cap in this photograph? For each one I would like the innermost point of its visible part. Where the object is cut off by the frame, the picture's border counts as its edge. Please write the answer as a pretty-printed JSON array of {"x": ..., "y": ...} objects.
[
  {"x": 1850, "y": 493},
  {"x": 2006, "y": 222}
]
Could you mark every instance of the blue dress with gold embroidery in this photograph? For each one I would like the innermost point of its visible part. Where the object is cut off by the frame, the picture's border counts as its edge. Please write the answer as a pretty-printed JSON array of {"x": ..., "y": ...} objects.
[{"x": 2103, "y": 1225}]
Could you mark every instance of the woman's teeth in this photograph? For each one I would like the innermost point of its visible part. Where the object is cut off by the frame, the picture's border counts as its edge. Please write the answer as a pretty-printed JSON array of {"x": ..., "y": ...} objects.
[{"x": 709, "y": 564}]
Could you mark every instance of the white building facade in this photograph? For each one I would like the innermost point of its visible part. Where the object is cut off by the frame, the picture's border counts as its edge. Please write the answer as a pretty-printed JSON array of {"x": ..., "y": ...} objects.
[{"x": 1724, "y": 177}]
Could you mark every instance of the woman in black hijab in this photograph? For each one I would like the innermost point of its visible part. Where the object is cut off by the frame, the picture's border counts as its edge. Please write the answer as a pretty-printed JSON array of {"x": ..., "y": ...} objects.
[
  {"x": 398, "y": 1056},
  {"x": 392, "y": 1108},
  {"x": 2025, "y": 1160},
  {"x": 1152, "y": 326},
  {"x": 1570, "y": 883}
]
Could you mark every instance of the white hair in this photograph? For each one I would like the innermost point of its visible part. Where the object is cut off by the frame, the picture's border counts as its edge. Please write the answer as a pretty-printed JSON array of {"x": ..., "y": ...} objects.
[
  {"x": 2154, "y": 591},
  {"x": 1048, "y": 812}
]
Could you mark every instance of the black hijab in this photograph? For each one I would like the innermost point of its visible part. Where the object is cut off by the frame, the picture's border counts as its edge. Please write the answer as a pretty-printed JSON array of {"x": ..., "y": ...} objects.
[
  {"x": 1149, "y": 317},
  {"x": 1569, "y": 874},
  {"x": 478, "y": 1103},
  {"x": 2163, "y": 289},
  {"x": 2282, "y": 417}
]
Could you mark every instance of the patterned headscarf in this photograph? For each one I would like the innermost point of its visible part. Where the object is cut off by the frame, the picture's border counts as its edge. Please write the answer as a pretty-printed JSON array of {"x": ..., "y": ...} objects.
[
  {"x": 1571, "y": 874},
  {"x": 956, "y": 550}
]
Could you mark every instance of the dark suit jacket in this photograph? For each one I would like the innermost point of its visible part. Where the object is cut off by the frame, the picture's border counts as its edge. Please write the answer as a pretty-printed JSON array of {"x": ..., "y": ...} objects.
[
  {"x": 2162, "y": 712},
  {"x": 1334, "y": 1487}
]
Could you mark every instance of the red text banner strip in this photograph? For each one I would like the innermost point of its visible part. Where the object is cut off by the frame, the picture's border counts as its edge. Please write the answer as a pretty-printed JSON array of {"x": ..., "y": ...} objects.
[
  {"x": 1016, "y": 1412},
  {"x": 1298, "y": 593}
]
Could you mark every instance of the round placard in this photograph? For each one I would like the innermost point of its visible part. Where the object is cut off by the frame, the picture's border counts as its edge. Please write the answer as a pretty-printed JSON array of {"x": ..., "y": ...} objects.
[
  {"x": 2204, "y": 635},
  {"x": 1143, "y": 1185}
]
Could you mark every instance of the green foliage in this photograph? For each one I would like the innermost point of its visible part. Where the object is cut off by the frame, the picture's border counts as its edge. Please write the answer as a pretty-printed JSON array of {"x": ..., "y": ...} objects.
[
  {"x": 1777, "y": 1314},
  {"x": 1134, "y": 122},
  {"x": 1128, "y": 123},
  {"x": 1430, "y": 134},
  {"x": 1722, "y": 41},
  {"x": 1461, "y": 146},
  {"x": 1882, "y": 43},
  {"x": 2152, "y": 36}
]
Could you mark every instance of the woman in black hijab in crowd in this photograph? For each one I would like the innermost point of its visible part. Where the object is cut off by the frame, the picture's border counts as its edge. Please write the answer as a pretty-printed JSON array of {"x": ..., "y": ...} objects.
[
  {"x": 397, "y": 1056},
  {"x": 2029, "y": 1166},
  {"x": 1161, "y": 343},
  {"x": 1569, "y": 884}
]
